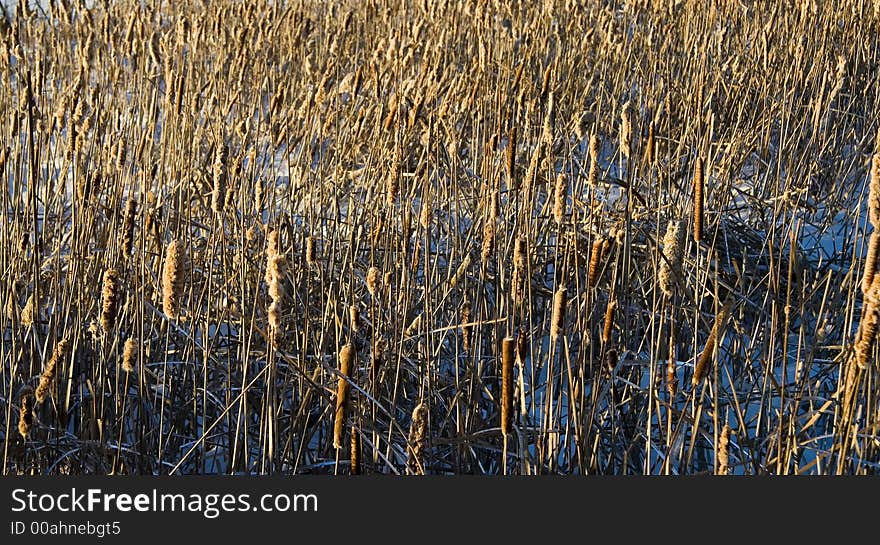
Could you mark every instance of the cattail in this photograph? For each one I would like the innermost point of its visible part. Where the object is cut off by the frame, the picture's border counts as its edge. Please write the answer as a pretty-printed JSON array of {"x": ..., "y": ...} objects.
[
  {"x": 558, "y": 313},
  {"x": 595, "y": 261},
  {"x": 354, "y": 456},
  {"x": 276, "y": 267},
  {"x": 867, "y": 333},
  {"x": 373, "y": 281},
  {"x": 128, "y": 227},
  {"x": 545, "y": 83},
  {"x": 649, "y": 152},
  {"x": 354, "y": 315},
  {"x": 30, "y": 313},
  {"x": 871, "y": 261},
  {"x": 671, "y": 374},
  {"x": 109, "y": 300},
  {"x": 273, "y": 246},
  {"x": 723, "y": 451},
  {"x": 418, "y": 435},
  {"x": 702, "y": 365},
  {"x": 426, "y": 214},
  {"x": 522, "y": 344},
  {"x": 393, "y": 188},
  {"x": 48, "y": 376},
  {"x": 608, "y": 325},
  {"x": 346, "y": 359},
  {"x": 559, "y": 199},
  {"x": 508, "y": 348},
  {"x": 129, "y": 354},
  {"x": 549, "y": 122},
  {"x": 460, "y": 271},
  {"x": 465, "y": 326},
  {"x": 26, "y": 401},
  {"x": 625, "y": 131},
  {"x": 310, "y": 251},
  {"x": 874, "y": 191},
  {"x": 488, "y": 242},
  {"x": 698, "y": 200},
  {"x": 673, "y": 252},
  {"x": 593, "y": 175},
  {"x": 172, "y": 280},
  {"x": 218, "y": 195}
]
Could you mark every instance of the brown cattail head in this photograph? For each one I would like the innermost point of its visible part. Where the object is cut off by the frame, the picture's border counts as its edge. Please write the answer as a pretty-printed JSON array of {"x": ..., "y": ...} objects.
[
  {"x": 129, "y": 354},
  {"x": 608, "y": 325},
  {"x": 393, "y": 188},
  {"x": 26, "y": 401},
  {"x": 698, "y": 200},
  {"x": 626, "y": 130},
  {"x": 418, "y": 438},
  {"x": 874, "y": 191},
  {"x": 427, "y": 212},
  {"x": 559, "y": 199},
  {"x": 488, "y": 243},
  {"x": 465, "y": 326},
  {"x": 673, "y": 254},
  {"x": 723, "y": 451},
  {"x": 522, "y": 344},
  {"x": 31, "y": 311},
  {"x": 48, "y": 375},
  {"x": 128, "y": 227},
  {"x": 273, "y": 244},
  {"x": 867, "y": 333},
  {"x": 701, "y": 367},
  {"x": 355, "y": 452},
  {"x": 354, "y": 315},
  {"x": 671, "y": 368},
  {"x": 310, "y": 251},
  {"x": 871, "y": 261},
  {"x": 596, "y": 254},
  {"x": 508, "y": 356},
  {"x": 172, "y": 280},
  {"x": 558, "y": 314},
  {"x": 374, "y": 281},
  {"x": 109, "y": 300},
  {"x": 346, "y": 362},
  {"x": 593, "y": 176}
]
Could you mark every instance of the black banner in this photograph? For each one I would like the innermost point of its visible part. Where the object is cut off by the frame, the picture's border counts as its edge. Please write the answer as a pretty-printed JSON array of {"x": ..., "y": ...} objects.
[{"x": 390, "y": 509}]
